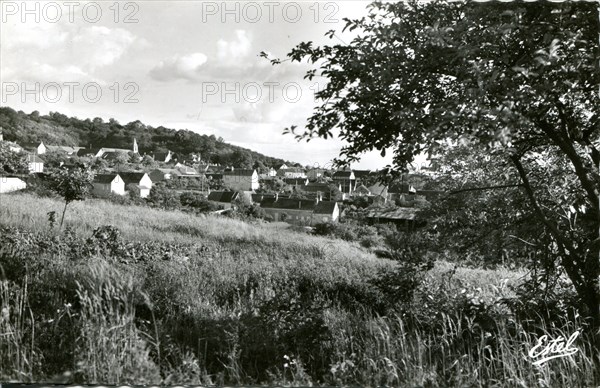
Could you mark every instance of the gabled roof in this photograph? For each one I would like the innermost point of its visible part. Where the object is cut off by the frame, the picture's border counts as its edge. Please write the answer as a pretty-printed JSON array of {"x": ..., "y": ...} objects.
[
  {"x": 399, "y": 187},
  {"x": 261, "y": 197},
  {"x": 362, "y": 189},
  {"x": 378, "y": 189},
  {"x": 240, "y": 172},
  {"x": 104, "y": 149},
  {"x": 295, "y": 181},
  {"x": 399, "y": 213},
  {"x": 223, "y": 196},
  {"x": 132, "y": 177},
  {"x": 315, "y": 187},
  {"x": 111, "y": 155},
  {"x": 291, "y": 169},
  {"x": 87, "y": 151},
  {"x": 171, "y": 171},
  {"x": 325, "y": 207},
  {"x": 29, "y": 146},
  {"x": 32, "y": 158},
  {"x": 104, "y": 178},
  {"x": 67, "y": 149},
  {"x": 343, "y": 174},
  {"x": 361, "y": 173},
  {"x": 161, "y": 156},
  {"x": 287, "y": 203}
]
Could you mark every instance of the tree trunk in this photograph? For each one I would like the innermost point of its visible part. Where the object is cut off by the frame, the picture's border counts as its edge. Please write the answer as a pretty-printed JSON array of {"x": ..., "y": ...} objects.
[{"x": 63, "y": 214}]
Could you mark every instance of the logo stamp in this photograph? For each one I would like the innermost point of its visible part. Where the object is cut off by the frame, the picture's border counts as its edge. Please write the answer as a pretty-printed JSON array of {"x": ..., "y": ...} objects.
[{"x": 547, "y": 348}]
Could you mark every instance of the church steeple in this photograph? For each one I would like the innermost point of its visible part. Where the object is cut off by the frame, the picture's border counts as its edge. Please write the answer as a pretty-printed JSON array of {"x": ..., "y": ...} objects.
[{"x": 135, "y": 146}]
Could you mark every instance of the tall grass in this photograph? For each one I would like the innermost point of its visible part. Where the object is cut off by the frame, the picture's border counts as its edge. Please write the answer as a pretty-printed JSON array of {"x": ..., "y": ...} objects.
[
  {"x": 110, "y": 348},
  {"x": 18, "y": 355},
  {"x": 219, "y": 301},
  {"x": 388, "y": 351}
]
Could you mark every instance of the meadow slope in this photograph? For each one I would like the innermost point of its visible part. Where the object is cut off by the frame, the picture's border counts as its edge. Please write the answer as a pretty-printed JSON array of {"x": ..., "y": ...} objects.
[{"x": 168, "y": 297}]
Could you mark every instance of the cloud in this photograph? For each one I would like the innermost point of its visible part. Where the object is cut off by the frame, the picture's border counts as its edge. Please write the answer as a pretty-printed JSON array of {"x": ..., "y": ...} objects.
[
  {"x": 234, "y": 60},
  {"x": 232, "y": 52},
  {"x": 179, "y": 67},
  {"x": 61, "y": 52},
  {"x": 102, "y": 46}
]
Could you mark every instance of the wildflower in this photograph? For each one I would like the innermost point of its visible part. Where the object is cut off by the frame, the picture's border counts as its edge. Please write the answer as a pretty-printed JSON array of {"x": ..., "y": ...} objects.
[{"x": 5, "y": 313}]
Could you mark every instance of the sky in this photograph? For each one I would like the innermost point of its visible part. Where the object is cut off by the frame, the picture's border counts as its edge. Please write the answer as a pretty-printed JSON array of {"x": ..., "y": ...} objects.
[{"x": 181, "y": 64}]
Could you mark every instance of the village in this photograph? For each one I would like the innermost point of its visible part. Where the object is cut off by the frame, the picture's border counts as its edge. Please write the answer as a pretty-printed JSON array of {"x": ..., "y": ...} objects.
[{"x": 286, "y": 193}]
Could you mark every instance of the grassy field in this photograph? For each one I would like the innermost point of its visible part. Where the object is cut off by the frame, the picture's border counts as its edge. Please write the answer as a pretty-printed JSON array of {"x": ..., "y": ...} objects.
[{"x": 209, "y": 300}]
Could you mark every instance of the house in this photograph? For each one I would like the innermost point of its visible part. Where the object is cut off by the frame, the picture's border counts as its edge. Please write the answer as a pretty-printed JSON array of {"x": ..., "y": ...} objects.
[
  {"x": 326, "y": 211},
  {"x": 242, "y": 179},
  {"x": 378, "y": 189},
  {"x": 258, "y": 198},
  {"x": 88, "y": 152},
  {"x": 203, "y": 167},
  {"x": 300, "y": 211},
  {"x": 223, "y": 199},
  {"x": 214, "y": 175},
  {"x": 9, "y": 184},
  {"x": 63, "y": 149},
  {"x": 186, "y": 170},
  {"x": 293, "y": 211},
  {"x": 346, "y": 179},
  {"x": 315, "y": 173},
  {"x": 38, "y": 148},
  {"x": 271, "y": 172},
  {"x": 293, "y": 172},
  {"x": 295, "y": 182},
  {"x": 36, "y": 164},
  {"x": 106, "y": 184},
  {"x": 163, "y": 157},
  {"x": 138, "y": 182},
  {"x": 281, "y": 166},
  {"x": 401, "y": 216},
  {"x": 115, "y": 151},
  {"x": 361, "y": 175},
  {"x": 315, "y": 189},
  {"x": 361, "y": 191},
  {"x": 397, "y": 189}
]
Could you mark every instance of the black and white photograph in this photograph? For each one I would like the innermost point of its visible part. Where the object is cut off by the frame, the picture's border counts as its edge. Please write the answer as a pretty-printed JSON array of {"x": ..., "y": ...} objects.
[{"x": 302, "y": 193}]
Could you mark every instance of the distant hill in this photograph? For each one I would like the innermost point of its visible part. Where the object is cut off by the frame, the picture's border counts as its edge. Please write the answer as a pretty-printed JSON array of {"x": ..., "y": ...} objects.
[{"x": 58, "y": 129}]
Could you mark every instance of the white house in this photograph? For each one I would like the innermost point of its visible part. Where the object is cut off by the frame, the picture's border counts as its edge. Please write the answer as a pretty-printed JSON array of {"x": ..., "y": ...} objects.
[
  {"x": 35, "y": 163},
  {"x": 293, "y": 172},
  {"x": 300, "y": 211},
  {"x": 241, "y": 180},
  {"x": 36, "y": 148},
  {"x": 105, "y": 184},
  {"x": 140, "y": 182}
]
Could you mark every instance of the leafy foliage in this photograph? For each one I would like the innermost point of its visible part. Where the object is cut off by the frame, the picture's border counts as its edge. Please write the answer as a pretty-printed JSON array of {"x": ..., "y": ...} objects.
[
  {"x": 72, "y": 184},
  {"x": 12, "y": 162},
  {"x": 516, "y": 81}
]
